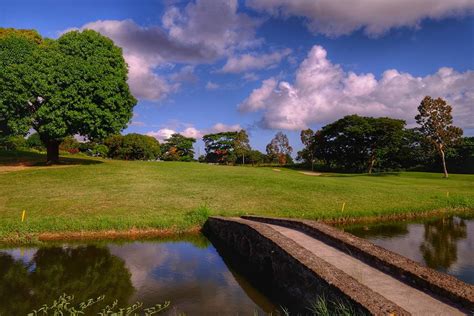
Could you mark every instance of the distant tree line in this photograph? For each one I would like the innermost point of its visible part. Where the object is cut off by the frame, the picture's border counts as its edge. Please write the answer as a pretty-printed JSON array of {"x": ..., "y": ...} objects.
[{"x": 364, "y": 144}]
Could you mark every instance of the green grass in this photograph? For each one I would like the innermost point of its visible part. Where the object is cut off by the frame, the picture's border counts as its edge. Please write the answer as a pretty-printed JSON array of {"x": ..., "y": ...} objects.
[{"x": 97, "y": 194}]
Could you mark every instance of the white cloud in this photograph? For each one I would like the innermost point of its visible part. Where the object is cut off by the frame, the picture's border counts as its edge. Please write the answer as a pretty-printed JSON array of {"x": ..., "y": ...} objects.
[
  {"x": 246, "y": 62},
  {"x": 220, "y": 127},
  {"x": 251, "y": 76},
  {"x": 162, "y": 134},
  {"x": 214, "y": 25},
  {"x": 191, "y": 131},
  {"x": 375, "y": 17},
  {"x": 212, "y": 85},
  {"x": 202, "y": 32},
  {"x": 323, "y": 92}
]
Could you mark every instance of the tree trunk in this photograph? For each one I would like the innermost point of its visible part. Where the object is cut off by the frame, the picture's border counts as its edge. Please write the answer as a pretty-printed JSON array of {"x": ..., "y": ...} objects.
[
  {"x": 445, "y": 170},
  {"x": 243, "y": 159},
  {"x": 371, "y": 164},
  {"x": 312, "y": 162},
  {"x": 52, "y": 148}
]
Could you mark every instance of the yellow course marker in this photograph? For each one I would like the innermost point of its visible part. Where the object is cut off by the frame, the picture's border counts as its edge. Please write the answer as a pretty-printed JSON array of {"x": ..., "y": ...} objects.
[
  {"x": 343, "y": 206},
  {"x": 23, "y": 216},
  {"x": 447, "y": 194}
]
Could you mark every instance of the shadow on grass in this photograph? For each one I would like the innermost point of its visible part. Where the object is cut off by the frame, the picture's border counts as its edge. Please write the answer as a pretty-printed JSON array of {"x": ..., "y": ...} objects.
[{"x": 37, "y": 159}]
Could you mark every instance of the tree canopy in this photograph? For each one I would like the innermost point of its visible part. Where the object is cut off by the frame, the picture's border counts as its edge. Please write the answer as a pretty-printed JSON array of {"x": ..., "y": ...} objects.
[
  {"x": 76, "y": 84},
  {"x": 220, "y": 147},
  {"x": 133, "y": 147},
  {"x": 358, "y": 143},
  {"x": 279, "y": 148},
  {"x": 178, "y": 147}
]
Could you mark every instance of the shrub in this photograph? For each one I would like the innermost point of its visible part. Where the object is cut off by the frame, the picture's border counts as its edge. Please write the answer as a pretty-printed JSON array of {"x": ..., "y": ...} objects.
[
  {"x": 133, "y": 147},
  {"x": 70, "y": 144},
  {"x": 34, "y": 142},
  {"x": 13, "y": 142}
]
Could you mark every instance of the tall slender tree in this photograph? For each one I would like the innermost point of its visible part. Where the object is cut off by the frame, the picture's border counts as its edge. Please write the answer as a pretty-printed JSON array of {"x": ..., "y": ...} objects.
[
  {"x": 241, "y": 145},
  {"x": 436, "y": 123},
  {"x": 280, "y": 148}
]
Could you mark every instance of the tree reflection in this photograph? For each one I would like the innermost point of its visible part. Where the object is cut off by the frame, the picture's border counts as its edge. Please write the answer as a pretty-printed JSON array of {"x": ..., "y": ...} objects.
[
  {"x": 439, "y": 248},
  {"x": 85, "y": 272}
]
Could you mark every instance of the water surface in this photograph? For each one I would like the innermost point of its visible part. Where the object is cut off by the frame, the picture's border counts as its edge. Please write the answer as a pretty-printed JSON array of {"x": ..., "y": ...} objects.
[
  {"x": 445, "y": 244},
  {"x": 189, "y": 273}
]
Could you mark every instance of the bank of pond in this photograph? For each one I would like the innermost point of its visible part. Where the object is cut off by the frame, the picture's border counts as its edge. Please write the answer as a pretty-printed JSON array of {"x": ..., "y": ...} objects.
[{"x": 199, "y": 277}]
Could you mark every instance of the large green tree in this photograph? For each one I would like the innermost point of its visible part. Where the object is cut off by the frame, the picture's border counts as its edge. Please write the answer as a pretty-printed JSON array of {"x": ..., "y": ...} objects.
[
  {"x": 358, "y": 143},
  {"x": 133, "y": 147},
  {"x": 76, "y": 84},
  {"x": 220, "y": 147},
  {"x": 178, "y": 147},
  {"x": 436, "y": 123}
]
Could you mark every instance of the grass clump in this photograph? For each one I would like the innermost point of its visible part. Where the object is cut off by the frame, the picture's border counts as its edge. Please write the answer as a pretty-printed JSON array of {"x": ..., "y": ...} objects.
[{"x": 198, "y": 216}]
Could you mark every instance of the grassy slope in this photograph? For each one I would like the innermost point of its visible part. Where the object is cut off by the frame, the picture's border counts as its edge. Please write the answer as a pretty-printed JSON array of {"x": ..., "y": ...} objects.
[{"x": 122, "y": 195}]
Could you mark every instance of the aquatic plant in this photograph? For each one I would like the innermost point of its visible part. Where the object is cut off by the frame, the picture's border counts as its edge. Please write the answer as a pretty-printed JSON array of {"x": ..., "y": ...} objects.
[
  {"x": 323, "y": 306},
  {"x": 63, "y": 306}
]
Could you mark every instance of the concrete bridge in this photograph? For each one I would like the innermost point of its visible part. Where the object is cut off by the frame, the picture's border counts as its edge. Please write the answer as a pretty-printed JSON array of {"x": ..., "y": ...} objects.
[{"x": 305, "y": 258}]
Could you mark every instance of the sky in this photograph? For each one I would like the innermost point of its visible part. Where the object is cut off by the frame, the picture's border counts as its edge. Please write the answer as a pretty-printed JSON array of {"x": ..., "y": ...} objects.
[{"x": 205, "y": 66}]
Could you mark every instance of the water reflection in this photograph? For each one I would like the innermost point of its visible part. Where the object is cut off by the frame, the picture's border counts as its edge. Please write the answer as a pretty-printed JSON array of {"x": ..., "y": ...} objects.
[
  {"x": 441, "y": 238},
  {"x": 445, "y": 244},
  {"x": 189, "y": 273},
  {"x": 85, "y": 271}
]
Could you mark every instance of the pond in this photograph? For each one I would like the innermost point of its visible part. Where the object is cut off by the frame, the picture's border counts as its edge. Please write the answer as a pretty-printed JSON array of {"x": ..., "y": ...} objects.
[
  {"x": 188, "y": 272},
  {"x": 445, "y": 243}
]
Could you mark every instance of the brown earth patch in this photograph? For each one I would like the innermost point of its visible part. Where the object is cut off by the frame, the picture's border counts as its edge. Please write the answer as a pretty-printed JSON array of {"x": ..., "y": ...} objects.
[{"x": 310, "y": 173}]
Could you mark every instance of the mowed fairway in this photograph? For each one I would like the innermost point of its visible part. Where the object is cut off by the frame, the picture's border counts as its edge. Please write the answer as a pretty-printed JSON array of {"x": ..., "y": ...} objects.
[{"x": 122, "y": 195}]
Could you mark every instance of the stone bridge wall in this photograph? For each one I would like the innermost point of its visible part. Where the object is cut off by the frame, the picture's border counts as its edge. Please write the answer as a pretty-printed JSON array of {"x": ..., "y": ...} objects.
[{"x": 293, "y": 269}]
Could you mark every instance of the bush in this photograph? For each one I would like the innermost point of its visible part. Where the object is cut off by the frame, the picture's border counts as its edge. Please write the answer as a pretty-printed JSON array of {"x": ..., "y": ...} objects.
[
  {"x": 133, "y": 147},
  {"x": 70, "y": 144},
  {"x": 34, "y": 142},
  {"x": 13, "y": 143}
]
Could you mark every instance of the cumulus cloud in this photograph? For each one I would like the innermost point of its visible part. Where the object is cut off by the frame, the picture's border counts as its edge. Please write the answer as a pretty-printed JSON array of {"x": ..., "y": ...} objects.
[
  {"x": 323, "y": 92},
  {"x": 214, "y": 25},
  {"x": 375, "y": 17},
  {"x": 220, "y": 127},
  {"x": 202, "y": 32},
  {"x": 246, "y": 62},
  {"x": 212, "y": 85},
  {"x": 162, "y": 134},
  {"x": 191, "y": 131}
]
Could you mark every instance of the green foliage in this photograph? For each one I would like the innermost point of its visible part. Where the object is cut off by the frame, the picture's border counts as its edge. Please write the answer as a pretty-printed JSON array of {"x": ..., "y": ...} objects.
[
  {"x": 241, "y": 146},
  {"x": 220, "y": 147},
  {"x": 13, "y": 142},
  {"x": 198, "y": 216},
  {"x": 460, "y": 157},
  {"x": 255, "y": 157},
  {"x": 307, "y": 153},
  {"x": 436, "y": 123},
  {"x": 76, "y": 84},
  {"x": 64, "y": 305},
  {"x": 34, "y": 142},
  {"x": 178, "y": 148},
  {"x": 133, "y": 147},
  {"x": 60, "y": 270},
  {"x": 323, "y": 306},
  {"x": 279, "y": 149},
  {"x": 356, "y": 143},
  {"x": 70, "y": 145}
]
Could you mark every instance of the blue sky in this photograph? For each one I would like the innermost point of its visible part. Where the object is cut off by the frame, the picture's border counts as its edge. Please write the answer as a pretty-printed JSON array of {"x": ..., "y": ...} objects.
[{"x": 268, "y": 65}]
